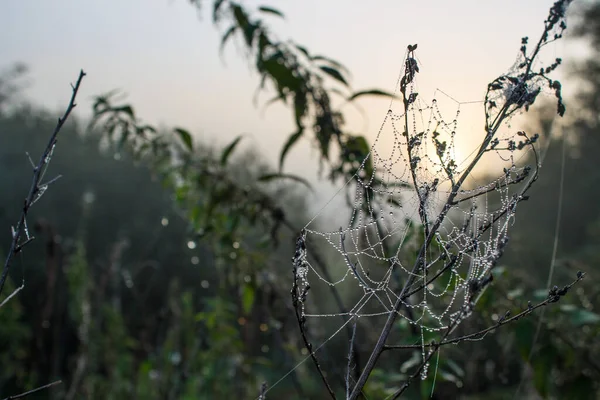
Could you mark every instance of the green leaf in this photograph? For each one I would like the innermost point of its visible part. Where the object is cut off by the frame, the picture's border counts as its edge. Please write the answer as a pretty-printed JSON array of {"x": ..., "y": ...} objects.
[
  {"x": 102, "y": 102},
  {"x": 515, "y": 293},
  {"x": 270, "y": 177},
  {"x": 125, "y": 109},
  {"x": 300, "y": 106},
  {"x": 263, "y": 43},
  {"x": 124, "y": 135},
  {"x": 270, "y": 10},
  {"x": 145, "y": 368},
  {"x": 249, "y": 31},
  {"x": 185, "y": 137},
  {"x": 356, "y": 150},
  {"x": 580, "y": 317},
  {"x": 216, "y": 6},
  {"x": 282, "y": 75},
  {"x": 567, "y": 308},
  {"x": 226, "y": 37},
  {"x": 500, "y": 271},
  {"x": 303, "y": 50},
  {"x": 458, "y": 371},
  {"x": 288, "y": 145},
  {"x": 274, "y": 100},
  {"x": 248, "y": 294},
  {"x": 331, "y": 62},
  {"x": 412, "y": 362},
  {"x": 334, "y": 73},
  {"x": 240, "y": 16},
  {"x": 358, "y": 146},
  {"x": 229, "y": 149},
  {"x": 371, "y": 92},
  {"x": 146, "y": 129},
  {"x": 448, "y": 377}
]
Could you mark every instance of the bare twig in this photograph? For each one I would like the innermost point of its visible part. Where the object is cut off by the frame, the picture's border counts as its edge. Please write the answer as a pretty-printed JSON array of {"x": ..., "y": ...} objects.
[
  {"x": 553, "y": 296},
  {"x": 39, "y": 389},
  {"x": 37, "y": 188},
  {"x": 298, "y": 297},
  {"x": 350, "y": 352},
  {"x": 263, "y": 391},
  {"x": 316, "y": 257}
]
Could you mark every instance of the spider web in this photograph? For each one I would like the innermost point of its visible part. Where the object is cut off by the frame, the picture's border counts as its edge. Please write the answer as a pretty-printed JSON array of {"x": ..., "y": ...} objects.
[{"x": 396, "y": 199}]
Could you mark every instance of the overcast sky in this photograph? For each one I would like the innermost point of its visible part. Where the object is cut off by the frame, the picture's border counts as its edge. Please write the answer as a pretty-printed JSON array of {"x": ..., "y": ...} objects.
[{"x": 165, "y": 56}]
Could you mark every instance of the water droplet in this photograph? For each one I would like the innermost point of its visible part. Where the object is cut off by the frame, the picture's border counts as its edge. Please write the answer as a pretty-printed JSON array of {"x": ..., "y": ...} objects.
[{"x": 425, "y": 371}]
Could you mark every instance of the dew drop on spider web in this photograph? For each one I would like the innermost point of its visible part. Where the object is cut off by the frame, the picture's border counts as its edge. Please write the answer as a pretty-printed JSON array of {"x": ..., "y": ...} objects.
[
  {"x": 40, "y": 192},
  {"x": 50, "y": 153},
  {"x": 26, "y": 229},
  {"x": 382, "y": 226},
  {"x": 425, "y": 371}
]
